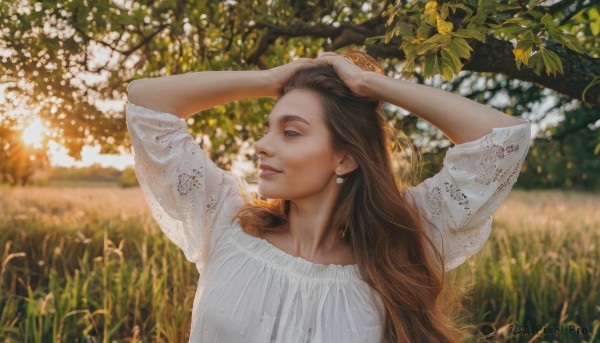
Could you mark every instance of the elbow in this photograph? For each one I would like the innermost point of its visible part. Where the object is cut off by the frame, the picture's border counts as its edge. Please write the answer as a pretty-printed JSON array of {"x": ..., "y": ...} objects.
[
  {"x": 143, "y": 93},
  {"x": 133, "y": 90}
]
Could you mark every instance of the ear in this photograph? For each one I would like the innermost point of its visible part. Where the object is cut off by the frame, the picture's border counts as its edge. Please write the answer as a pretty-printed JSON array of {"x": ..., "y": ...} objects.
[{"x": 346, "y": 163}]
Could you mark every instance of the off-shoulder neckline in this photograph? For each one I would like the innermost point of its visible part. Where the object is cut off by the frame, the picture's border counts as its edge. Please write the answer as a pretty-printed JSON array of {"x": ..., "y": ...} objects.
[{"x": 264, "y": 250}]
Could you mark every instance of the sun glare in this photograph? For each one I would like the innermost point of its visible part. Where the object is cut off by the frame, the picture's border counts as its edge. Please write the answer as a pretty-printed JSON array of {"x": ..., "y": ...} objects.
[{"x": 34, "y": 133}]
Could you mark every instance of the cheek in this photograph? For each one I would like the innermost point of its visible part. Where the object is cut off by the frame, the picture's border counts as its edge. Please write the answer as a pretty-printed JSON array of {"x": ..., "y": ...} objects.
[
  {"x": 307, "y": 170},
  {"x": 309, "y": 163}
]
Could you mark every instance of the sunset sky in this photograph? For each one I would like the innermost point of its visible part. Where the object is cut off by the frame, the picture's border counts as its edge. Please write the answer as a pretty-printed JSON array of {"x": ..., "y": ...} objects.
[{"x": 35, "y": 131}]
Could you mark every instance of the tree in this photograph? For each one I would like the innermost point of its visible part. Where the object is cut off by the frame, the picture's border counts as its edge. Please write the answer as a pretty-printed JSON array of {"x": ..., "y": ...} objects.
[
  {"x": 567, "y": 160},
  {"x": 61, "y": 58}
]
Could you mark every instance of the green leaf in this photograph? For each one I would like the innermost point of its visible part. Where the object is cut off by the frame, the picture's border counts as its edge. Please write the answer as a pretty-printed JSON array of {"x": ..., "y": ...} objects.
[
  {"x": 391, "y": 16},
  {"x": 444, "y": 11},
  {"x": 374, "y": 40},
  {"x": 410, "y": 50},
  {"x": 537, "y": 15},
  {"x": 431, "y": 65},
  {"x": 463, "y": 7},
  {"x": 484, "y": 9},
  {"x": 595, "y": 27},
  {"x": 548, "y": 21},
  {"x": 451, "y": 60},
  {"x": 570, "y": 41},
  {"x": 404, "y": 28},
  {"x": 512, "y": 32},
  {"x": 552, "y": 62},
  {"x": 468, "y": 33},
  {"x": 408, "y": 69},
  {"x": 594, "y": 13},
  {"x": 431, "y": 44},
  {"x": 594, "y": 82},
  {"x": 536, "y": 63},
  {"x": 424, "y": 31},
  {"x": 461, "y": 47},
  {"x": 468, "y": 11},
  {"x": 518, "y": 21},
  {"x": 509, "y": 7},
  {"x": 388, "y": 36}
]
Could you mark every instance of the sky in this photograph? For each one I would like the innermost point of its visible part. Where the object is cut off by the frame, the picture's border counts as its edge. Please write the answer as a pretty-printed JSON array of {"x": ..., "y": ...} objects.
[{"x": 33, "y": 134}]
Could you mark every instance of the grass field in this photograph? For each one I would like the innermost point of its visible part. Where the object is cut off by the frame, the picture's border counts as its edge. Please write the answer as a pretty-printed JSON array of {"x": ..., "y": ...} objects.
[{"x": 90, "y": 265}]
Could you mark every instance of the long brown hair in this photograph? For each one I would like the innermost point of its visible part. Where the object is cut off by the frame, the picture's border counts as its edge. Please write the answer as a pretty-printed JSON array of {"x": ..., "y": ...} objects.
[{"x": 394, "y": 254}]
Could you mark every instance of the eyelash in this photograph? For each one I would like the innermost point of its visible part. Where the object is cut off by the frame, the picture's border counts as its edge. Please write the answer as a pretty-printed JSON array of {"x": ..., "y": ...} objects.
[{"x": 295, "y": 134}]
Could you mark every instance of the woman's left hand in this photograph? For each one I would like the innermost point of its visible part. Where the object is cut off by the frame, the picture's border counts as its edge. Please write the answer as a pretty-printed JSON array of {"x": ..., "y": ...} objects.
[{"x": 350, "y": 74}]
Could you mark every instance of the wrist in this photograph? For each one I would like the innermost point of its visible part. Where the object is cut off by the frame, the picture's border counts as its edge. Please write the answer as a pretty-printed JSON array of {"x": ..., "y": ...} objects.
[
  {"x": 270, "y": 83},
  {"x": 365, "y": 84},
  {"x": 267, "y": 85}
]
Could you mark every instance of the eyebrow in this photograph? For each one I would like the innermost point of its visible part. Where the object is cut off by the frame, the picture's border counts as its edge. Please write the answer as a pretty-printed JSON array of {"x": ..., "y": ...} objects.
[{"x": 286, "y": 118}]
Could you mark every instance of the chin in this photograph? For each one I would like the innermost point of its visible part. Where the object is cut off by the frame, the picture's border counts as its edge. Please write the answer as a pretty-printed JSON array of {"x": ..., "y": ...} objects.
[{"x": 266, "y": 193}]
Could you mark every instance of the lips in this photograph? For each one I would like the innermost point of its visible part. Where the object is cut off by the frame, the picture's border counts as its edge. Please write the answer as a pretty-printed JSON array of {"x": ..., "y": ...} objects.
[
  {"x": 268, "y": 167},
  {"x": 267, "y": 171}
]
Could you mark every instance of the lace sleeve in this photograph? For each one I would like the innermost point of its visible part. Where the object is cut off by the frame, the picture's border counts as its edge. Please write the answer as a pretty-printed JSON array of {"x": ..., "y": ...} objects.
[
  {"x": 189, "y": 196},
  {"x": 457, "y": 203}
]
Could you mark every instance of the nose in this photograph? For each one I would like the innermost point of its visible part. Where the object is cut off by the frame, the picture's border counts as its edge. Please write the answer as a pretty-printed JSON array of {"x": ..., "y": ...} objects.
[{"x": 262, "y": 147}]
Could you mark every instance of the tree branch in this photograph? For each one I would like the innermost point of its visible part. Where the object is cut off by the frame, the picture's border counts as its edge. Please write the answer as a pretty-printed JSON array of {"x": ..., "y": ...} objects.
[
  {"x": 496, "y": 56},
  {"x": 493, "y": 56}
]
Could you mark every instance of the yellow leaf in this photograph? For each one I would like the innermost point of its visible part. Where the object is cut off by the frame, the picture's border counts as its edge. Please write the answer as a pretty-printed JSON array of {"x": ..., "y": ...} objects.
[
  {"x": 446, "y": 72},
  {"x": 444, "y": 27},
  {"x": 518, "y": 53},
  {"x": 388, "y": 36},
  {"x": 431, "y": 5},
  {"x": 430, "y": 13}
]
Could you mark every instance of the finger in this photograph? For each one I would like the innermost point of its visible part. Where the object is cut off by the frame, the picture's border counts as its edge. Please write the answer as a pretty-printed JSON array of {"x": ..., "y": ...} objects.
[
  {"x": 328, "y": 57},
  {"x": 334, "y": 59},
  {"x": 300, "y": 59},
  {"x": 327, "y": 53}
]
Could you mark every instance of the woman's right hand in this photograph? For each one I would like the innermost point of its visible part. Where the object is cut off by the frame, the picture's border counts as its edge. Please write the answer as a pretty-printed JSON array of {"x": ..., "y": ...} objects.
[{"x": 282, "y": 74}]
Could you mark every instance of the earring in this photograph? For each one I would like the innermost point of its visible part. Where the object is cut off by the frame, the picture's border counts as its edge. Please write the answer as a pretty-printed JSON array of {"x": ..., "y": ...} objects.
[{"x": 339, "y": 179}]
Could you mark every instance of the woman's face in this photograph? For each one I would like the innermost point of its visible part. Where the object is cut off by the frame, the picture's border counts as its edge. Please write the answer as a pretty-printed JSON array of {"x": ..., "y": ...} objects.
[{"x": 297, "y": 143}]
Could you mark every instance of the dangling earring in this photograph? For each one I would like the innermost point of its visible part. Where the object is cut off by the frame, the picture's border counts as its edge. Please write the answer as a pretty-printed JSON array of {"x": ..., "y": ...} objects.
[{"x": 339, "y": 179}]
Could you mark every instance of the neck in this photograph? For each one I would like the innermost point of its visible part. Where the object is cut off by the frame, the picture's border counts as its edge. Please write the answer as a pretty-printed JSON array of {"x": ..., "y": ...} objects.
[{"x": 311, "y": 237}]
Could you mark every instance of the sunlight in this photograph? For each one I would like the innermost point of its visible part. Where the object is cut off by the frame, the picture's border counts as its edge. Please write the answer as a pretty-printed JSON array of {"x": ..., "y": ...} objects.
[
  {"x": 34, "y": 134},
  {"x": 90, "y": 155}
]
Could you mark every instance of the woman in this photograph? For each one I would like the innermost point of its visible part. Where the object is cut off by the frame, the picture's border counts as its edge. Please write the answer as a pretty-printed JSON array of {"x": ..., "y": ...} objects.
[{"x": 340, "y": 253}]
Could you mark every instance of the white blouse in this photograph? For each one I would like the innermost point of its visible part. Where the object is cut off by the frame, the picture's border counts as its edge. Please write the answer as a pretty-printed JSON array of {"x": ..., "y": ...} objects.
[{"x": 249, "y": 290}]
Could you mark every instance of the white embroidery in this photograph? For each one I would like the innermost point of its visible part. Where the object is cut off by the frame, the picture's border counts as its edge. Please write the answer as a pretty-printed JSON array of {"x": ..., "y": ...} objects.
[
  {"x": 434, "y": 200},
  {"x": 212, "y": 204},
  {"x": 487, "y": 171},
  {"x": 187, "y": 181}
]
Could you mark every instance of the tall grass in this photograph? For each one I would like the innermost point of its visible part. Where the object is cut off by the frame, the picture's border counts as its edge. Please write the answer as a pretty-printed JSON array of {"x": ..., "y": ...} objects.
[
  {"x": 90, "y": 265},
  {"x": 540, "y": 269}
]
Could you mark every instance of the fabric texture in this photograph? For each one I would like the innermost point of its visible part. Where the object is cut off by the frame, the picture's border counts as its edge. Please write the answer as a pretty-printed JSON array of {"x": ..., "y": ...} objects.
[{"x": 251, "y": 291}]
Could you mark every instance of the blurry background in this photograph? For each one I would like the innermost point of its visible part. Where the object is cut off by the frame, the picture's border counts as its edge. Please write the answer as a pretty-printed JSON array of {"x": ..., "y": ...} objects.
[{"x": 83, "y": 260}]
